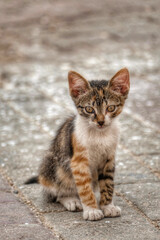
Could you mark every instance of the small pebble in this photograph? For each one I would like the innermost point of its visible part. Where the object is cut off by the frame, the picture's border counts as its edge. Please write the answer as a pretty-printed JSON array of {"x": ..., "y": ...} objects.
[{"x": 15, "y": 191}]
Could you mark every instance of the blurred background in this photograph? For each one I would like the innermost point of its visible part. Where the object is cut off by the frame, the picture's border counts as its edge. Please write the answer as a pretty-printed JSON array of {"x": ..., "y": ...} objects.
[{"x": 40, "y": 41}]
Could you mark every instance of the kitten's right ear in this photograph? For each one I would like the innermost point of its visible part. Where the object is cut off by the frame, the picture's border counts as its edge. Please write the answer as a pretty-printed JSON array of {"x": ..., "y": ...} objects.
[
  {"x": 120, "y": 82},
  {"x": 77, "y": 84}
]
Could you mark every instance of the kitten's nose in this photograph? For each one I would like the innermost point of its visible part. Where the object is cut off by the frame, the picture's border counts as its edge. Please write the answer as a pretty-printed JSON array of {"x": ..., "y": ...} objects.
[{"x": 101, "y": 123}]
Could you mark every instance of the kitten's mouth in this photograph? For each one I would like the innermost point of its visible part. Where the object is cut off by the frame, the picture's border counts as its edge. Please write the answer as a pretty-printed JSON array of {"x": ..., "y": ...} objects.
[{"x": 101, "y": 127}]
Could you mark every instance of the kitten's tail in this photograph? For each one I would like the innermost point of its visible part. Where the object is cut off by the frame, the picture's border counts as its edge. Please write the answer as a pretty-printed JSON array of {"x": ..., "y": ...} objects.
[{"x": 32, "y": 180}]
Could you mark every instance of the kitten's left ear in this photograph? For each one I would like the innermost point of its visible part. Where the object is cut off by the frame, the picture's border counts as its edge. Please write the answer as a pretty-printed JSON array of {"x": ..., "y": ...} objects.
[
  {"x": 120, "y": 82},
  {"x": 78, "y": 85}
]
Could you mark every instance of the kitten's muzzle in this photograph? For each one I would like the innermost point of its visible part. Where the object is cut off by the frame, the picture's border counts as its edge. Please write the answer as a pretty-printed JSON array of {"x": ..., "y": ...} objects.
[{"x": 101, "y": 123}]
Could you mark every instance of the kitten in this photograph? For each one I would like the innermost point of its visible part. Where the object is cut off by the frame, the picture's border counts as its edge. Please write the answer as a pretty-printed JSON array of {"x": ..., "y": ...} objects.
[{"x": 79, "y": 167}]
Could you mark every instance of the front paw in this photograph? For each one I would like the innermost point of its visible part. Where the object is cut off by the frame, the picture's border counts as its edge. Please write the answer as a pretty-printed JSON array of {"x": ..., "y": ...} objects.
[
  {"x": 111, "y": 211},
  {"x": 92, "y": 214},
  {"x": 71, "y": 204}
]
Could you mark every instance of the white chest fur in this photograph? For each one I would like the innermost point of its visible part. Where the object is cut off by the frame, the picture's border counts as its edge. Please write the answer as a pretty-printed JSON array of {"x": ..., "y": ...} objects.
[{"x": 100, "y": 144}]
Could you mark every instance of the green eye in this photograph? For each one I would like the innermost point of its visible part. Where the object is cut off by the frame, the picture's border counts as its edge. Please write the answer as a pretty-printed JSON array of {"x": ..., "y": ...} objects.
[
  {"x": 89, "y": 109},
  {"x": 111, "y": 108}
]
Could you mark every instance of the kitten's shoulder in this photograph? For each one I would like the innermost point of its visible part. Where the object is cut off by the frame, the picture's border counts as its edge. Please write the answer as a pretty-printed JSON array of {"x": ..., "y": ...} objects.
[{"x": 63, "y": 137}]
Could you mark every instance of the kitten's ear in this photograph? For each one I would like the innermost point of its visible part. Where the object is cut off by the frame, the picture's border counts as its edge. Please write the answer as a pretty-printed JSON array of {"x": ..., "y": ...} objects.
[
  {"x": 120, "y": 82},
  {"x": 77, "y": 84}
]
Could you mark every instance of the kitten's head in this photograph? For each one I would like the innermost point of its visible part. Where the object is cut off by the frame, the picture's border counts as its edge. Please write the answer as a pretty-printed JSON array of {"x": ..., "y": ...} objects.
[{"x": 99, "y": 102}]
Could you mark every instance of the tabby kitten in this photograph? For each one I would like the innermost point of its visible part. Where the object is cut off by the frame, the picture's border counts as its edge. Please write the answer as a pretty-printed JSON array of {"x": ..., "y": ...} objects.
[{"x": 79, "y": 167}]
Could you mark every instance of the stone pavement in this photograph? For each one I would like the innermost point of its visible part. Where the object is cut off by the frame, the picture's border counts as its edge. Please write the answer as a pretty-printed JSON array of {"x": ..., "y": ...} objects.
[
  {"x": 16, "y": 220},
  {"x": 40, "y": 42}
]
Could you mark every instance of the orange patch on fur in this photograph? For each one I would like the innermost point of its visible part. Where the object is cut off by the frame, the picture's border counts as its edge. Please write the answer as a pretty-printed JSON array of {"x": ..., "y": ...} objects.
[
  {"x": 89, "y": 199},
  {"x": 82, "y": 178},
  {"x": 79, "y": 173},
  {"x": 78, "y": 159},
  {"x": 45, "y": 182},
  {"x": 64, "y": 177},
  {"x": 83, "y": 182},
  {"x": 77, "y": 147}
]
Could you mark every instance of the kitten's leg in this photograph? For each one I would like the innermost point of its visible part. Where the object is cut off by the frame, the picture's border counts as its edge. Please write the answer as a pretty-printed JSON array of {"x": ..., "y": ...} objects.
[
  {"x": 54, "y": 192},
  {"x": 50, "y": 189},
  {"x": 84, "y": 187},
  {"x": 106, "y": 184},
  {"x": 83, "y": 180},
  {"x": 97, "y": 192},
  {"x": 96, "y": 188},
  {"x": 49, "y": 195}
]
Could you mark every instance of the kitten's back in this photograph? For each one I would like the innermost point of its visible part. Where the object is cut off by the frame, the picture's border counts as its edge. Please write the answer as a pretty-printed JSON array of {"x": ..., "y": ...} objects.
[{"x": 60, "y": 152}]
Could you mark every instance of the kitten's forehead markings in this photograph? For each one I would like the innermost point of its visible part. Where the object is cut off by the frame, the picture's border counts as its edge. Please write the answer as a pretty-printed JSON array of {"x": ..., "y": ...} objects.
[
  {"x": 98, "y": 96},
  {"x": 99, "y": 101}
]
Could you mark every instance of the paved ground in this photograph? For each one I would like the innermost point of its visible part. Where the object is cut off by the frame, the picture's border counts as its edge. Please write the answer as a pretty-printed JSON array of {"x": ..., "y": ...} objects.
[{"x": 40, "y": 41}]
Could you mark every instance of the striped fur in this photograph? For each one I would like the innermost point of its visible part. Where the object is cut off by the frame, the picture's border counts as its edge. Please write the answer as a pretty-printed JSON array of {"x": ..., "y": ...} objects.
[
  {"x": 82, "y": 175},
  {"x": 78, "y": 170}
]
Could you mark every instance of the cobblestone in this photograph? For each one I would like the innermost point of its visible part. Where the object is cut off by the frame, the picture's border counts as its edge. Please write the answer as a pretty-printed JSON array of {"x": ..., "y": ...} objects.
[
  {"x": 138, "y": 193},
  {"x": 16, "y": 220}
]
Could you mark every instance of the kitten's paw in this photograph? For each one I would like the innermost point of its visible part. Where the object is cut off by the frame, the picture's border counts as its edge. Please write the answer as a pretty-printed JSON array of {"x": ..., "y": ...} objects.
[
  {"x": 92, "y": 214},
  {"x": 71, "y": 204},
  {"x": 111, "y": 211}
]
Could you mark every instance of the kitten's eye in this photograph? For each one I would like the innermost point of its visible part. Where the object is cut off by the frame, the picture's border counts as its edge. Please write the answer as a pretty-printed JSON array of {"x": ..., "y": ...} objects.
[
  {"x": 111, "y": 108},
  {"x": 89, "y": 109}
]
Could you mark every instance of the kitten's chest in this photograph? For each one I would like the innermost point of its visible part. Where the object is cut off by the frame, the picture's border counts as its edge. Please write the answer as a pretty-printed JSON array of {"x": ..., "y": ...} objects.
[
  {"x": 100, "y": 149},
  {"x": 97, "y": 156},
  {"x": 100, "y": 146}
]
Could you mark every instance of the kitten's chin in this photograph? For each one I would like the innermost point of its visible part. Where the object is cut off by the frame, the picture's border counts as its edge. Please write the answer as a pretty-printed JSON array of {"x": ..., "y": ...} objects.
[
  {"x": 103, "y": 127},
  {"x": 99, "y": 128}
]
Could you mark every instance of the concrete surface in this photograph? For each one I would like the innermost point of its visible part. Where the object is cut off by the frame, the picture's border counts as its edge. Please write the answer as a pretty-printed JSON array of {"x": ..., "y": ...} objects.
[
  {"x": 40, "y": 42},
  {"x": 16, "y": 220}
]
